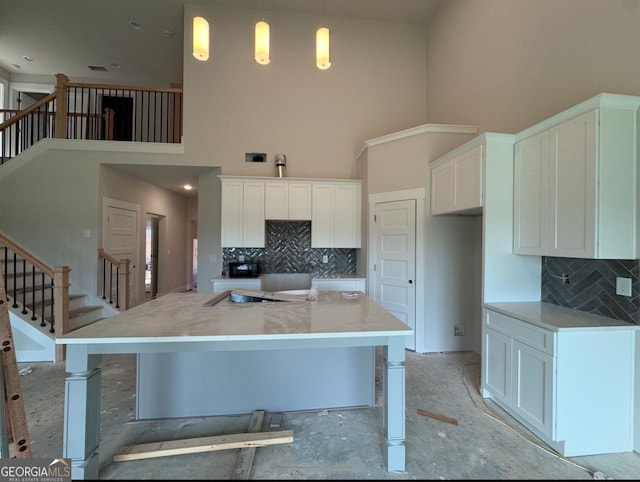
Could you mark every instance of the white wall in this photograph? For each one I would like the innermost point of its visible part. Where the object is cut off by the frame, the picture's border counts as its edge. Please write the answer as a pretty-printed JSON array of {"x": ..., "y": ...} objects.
[
  {"x": 319, "y": 119},
  {"x": 507, "y": 64}
]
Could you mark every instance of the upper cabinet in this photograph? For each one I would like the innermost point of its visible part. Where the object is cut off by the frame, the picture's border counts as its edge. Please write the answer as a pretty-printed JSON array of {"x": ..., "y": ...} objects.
[
  {"x": 335, "y": 221},
  {"x": 456, "y": 183},
  {"x": 287, "y": 200},
  {"x": 575, "y": 182},
  {"x": 242, "y": 213},
  {"x": 332, "y": 205}
]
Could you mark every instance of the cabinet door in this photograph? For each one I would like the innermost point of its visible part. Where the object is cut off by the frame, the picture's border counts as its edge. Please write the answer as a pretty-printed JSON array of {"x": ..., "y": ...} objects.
[
  {"x": 467, "y": 180},
  {"x": 322, "y": 216},
  {"x": 346, "y": 214},
  {"x": 300, "y": 201},
  {"x": 253, "y": 215},
  {"x": 231, "y": 214},
  {"x": 276, "y": 200},
  {"x": 533, "y": 386},
  {"x": 572, "y": 180},
  {"x": 496, "y": 365},
  {"x": 442, "y": 188},
  {"x": 531, "y": 195}
]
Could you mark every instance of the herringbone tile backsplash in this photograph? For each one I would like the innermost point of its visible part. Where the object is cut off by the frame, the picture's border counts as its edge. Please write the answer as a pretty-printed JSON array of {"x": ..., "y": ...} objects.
[
  {"x": 288, "y": 250},
  {"x": 592, "y": 286}
]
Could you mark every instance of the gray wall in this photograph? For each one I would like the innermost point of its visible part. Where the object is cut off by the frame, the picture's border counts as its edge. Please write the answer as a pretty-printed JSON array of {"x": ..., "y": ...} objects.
[{"x": 505, "y": 65}]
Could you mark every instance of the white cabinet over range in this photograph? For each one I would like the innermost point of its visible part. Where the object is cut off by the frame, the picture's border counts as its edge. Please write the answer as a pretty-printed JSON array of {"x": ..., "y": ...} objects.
[{"x": 332, "y": 205}]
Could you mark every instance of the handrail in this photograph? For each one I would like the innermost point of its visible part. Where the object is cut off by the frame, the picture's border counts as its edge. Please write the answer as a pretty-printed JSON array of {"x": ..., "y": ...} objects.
[
  {"x": 174, "y": 90},
  {"x": 54, "y": 310},
  {"x": 121, "y": 283},
  {"x": 25, "y": 112},
  {"x": 27, "y": 256}
]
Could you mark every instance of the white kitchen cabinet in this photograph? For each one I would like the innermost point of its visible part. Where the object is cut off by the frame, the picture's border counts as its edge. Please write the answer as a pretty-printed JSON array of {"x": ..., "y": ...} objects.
[
  {"x": 572, "y": 387},
  {"x": 335, "y": 221},
  {"x": 242, "y": 213},
  {"x": 456, "y": 183},
  {"x": 287, "y": 200},
  {"x": 340, "y": 284},
  {"x": 236, "y": 283},
  {"x": 575, "y": 182}
]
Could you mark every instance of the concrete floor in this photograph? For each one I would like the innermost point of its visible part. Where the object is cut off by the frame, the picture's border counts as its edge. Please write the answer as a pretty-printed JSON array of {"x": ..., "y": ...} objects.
[{"x": 337, "y": 444}]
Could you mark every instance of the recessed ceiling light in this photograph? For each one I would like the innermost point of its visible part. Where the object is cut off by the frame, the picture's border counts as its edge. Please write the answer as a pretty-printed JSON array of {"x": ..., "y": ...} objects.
[
  {"x": 135, "y": 24},
  {"x": 16, "y": 66},
  {"x": 115, "y": 65},
  {"x": 188, "y": 187},
  {"x": 27, "y": 58},
  {"x": 169, "y": 33}
]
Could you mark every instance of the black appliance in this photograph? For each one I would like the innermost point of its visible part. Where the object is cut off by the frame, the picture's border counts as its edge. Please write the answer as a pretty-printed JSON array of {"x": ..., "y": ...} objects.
[{"x": 243, "y": 270}]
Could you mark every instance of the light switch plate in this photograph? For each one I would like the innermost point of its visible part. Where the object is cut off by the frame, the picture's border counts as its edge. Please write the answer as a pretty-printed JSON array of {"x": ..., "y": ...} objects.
[{"x": 623, "y": 286}]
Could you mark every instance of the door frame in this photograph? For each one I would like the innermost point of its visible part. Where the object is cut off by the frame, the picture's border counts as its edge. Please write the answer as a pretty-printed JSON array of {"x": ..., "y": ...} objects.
[{"x": 418, "y": 195}]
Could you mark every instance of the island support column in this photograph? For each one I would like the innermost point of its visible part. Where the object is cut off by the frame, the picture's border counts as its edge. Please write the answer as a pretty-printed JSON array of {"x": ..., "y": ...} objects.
[
  {"x": 82, "y": 412},
  {"x": 393, "y": 415}
]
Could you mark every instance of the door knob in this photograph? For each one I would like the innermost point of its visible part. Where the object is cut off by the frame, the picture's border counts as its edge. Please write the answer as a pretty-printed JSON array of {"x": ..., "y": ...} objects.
[{"x": 410, "y": 281}]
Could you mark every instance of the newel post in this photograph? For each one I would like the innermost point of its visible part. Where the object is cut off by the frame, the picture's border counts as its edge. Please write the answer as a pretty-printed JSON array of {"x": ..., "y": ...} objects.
[
  {"x": 61, "y": 106},
  {"x": 123, "y": 282},
  {"x": 60, "y": 305}
]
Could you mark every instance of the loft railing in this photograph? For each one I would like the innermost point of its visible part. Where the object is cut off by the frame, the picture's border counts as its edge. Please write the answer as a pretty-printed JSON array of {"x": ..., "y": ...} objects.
[{"x": 94, "y": 112}]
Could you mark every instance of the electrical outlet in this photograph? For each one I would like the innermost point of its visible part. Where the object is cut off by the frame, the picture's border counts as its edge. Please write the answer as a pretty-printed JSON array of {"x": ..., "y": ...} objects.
[
  {"x": 325, "y": 258},
  {"x": 623, "y": 286},
  {"x": 241, "y": 258},
  {"x": 458, "y": 330}
]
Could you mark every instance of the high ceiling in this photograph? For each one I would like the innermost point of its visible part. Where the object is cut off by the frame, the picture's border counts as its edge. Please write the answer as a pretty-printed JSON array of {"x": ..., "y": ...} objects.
[{"x": 68, "y": 36}]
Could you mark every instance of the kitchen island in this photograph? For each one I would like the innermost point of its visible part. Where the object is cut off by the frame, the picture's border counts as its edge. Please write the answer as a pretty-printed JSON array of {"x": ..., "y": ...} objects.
[{"x": 180, "y": 323}]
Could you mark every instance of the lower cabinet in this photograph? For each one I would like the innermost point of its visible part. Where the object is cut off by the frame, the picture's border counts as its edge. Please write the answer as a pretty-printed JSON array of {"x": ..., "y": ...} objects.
[{"x": 573, "y": 387}]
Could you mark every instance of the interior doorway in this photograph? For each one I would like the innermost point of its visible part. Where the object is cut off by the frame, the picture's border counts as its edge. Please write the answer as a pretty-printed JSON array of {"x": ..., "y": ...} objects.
[
  {"x": 122, "y": 107},
  {"x": 151, "y": 257}
]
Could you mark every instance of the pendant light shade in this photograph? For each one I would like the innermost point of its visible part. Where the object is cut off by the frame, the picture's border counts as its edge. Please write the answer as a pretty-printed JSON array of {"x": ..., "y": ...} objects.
[
  {"x": 322, "y": 48},
  {"x": 262, "y": 43},
  {"x": 200, "y": 38}
]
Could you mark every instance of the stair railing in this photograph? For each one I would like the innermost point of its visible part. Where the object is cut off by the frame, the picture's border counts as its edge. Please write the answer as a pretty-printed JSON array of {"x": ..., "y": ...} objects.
[
  {"x": 94, "y": 112},
  {"x": 35, "y": 287},
  {"x": 115, "y": 279}
]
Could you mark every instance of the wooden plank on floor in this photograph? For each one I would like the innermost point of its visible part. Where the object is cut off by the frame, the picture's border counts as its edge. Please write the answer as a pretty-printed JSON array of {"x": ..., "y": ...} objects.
[
  {"x": 245, "y": 459},
  {"x": 437, "y": 416},
  {"x": 11, "y": 382},
  {"x": 202, "y": 444}
]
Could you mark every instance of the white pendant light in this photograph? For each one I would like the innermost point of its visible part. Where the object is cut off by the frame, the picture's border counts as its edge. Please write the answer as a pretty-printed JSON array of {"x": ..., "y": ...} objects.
[
  {"x": 322, "y": 48},
  {"x": 262, "y": 43},
  {"x": 200, "y": 38}
]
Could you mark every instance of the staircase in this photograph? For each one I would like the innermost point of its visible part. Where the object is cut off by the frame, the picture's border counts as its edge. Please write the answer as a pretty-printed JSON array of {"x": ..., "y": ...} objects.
[{"x": 35, "y": 318}]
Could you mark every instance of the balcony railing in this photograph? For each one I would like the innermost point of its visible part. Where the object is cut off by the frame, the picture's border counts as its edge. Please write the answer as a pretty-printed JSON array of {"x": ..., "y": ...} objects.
[{"x": 94, "y": 112}]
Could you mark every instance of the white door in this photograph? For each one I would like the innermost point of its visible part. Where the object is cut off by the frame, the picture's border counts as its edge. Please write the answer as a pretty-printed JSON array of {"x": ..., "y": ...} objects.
[
  {"x": 395, "y": 261},
  {"x": 121, "y": 238}
]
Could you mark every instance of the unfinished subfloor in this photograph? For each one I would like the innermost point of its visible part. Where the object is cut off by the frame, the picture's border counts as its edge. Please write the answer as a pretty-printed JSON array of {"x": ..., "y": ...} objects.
[{"x": 451, "y": 432}]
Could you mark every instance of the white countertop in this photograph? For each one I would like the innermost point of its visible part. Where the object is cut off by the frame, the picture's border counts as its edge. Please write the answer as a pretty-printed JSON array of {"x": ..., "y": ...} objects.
[
  {"x": 557, "y": 318},
  {"x": 179, "y": 317}
]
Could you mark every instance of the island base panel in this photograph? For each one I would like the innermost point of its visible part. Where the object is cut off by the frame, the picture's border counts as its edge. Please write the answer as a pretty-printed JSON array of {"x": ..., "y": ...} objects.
[{"x": 193, "y": 384}]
